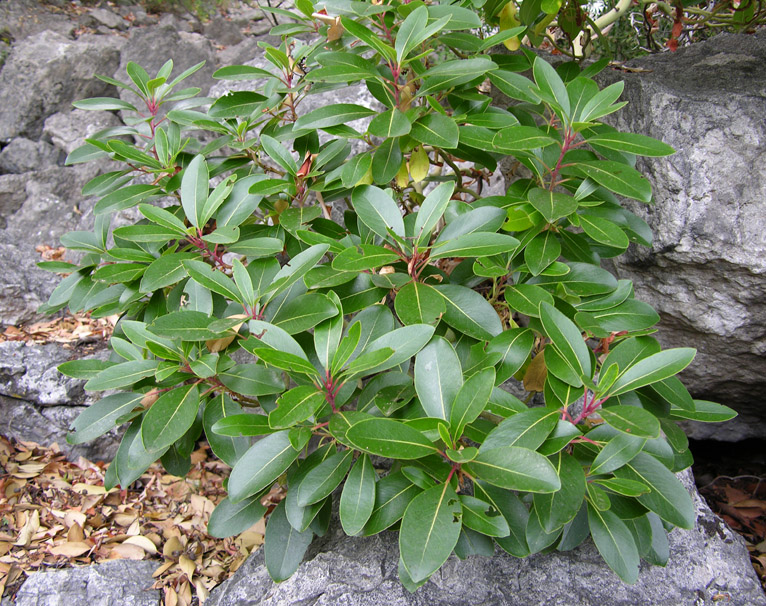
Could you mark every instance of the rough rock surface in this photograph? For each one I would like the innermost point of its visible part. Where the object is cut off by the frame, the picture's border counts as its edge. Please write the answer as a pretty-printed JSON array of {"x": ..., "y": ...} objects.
[
  {"x": 41, "y": 206},
  {"x": 39, "y": 404},
  {"x": 706, "y": 272},
  {"x": 708, "y": 565},
  {"x": 22, "y": 155},
  {"x": 46, "y": 72},
  {"x": 122, "y": 582},
  {"x": 68, "y": 130}
]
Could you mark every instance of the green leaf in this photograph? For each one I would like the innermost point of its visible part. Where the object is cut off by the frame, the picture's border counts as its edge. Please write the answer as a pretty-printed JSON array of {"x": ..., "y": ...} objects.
[
  {"x": 357, "y": 500},
  {"x": 550, "y": 85},
  {"x": 279, "y": 154},
  {"x": 514, "y": 347},
  {"x": 707, "y": 412},
  {"x": 520, "y": 138},
  {"x": 430, "y": 530},
  {"x": 194, "y": 190},
  {"x": 526, "y": 298},
  {"x": 355, "y": 169},
  {"x": 391, "y": 123},
  {"x": 390, "y": 438},
  {"x": 418, "y": 303},
  {"x": 295, "y": 406},
  {"x": 296, "y": 268},
  {"x": 617, "y": 177},
  {"x": 431, "y": 210},
  {"x": 409, "y": 33},
  {"x": 393, "y": 494},
  {"x": 345, "y": 348},
  {"x": 263, "y": 463},
  {"x": 125, "y": 197},
  {"x": 476, "y": 244},
  {"x": 235, "y": 104},
  {"x": 541, "y": 252},
  {"x": 304, "y": 312},
  {"x": 369, "y": 38},
  {"x": 619, "y": 450},
  {"x": 514, "y": 85},
  {"x": 121, "y": 375},
  {"x": 554, "y": 510},
  {"x": 632, "y": 143},
  {"x": 170, "y": 417},
  {"x": 603, "y": 231},
  {"x": 469, "y": 312},
  {"x": 364, "y": 257},
  {"x": 526, "y": 429},
  {"x": 567, "y": 339},
  {"x": 514, "y": 512},
  {"x": 254, "y": 248},
  {"x": 632, "y": 420},
  {"x": 438, "y": 378},
  {"x": 516, "y": 469},
  {"x": 483, "y": 517},
  {"x": 104, "y": 104},
  {"x": 324, "y": 478},
  {"x": 228, "y": 448},
  {"x": 405, "y": 342},
  {"x": 284, "y": 547},
  {"x": 436, "y": 129},
  {"x": 667, "y": 497},
  {"x": 212, "y": 279},
  {"x": 245, "y": 424},
  {"x": 615, "y": 543},
  {"x": 83, "y": 369},
  {"x": 386, "y": 161},
  {"x": 552, "y": 205},
  {"x": 252, "y": 380},
  {"x": 166, "y": 270},
  {"x": 242, "y": 72},
  {"x": 378, "y": 210},
  {"x": 332, "y": 115},
  {"x": 630, "y": 315},
  {"x": 653, "y": 369},
  {"x": 628, "y": 488},
  {"x": 101, "y": 416},
  {"x": 229, "y": 519},
  {"x": 187, "y": 325}
]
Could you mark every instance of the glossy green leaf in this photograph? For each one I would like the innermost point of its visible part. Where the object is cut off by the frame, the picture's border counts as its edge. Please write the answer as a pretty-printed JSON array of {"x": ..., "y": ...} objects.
[
  {"x": 437, "y": 130},
  {"x": 170, "y": 417},
  {"x": 632, "y": 143},
  {"x": 652, "y": 369},
  {"x": 391, "y": 123},
  {"x": 418, "y": 303},
  {"x": 284, "y": 547},
  {"x": 438, "y": 378},
  {"x": 390, "y": 438},
  {"x": 632, "y": 420},
  {"x": 526, "y": 429},
  {"x": 121, "y": 375},
  {"x": 357, "y": 500},
  {"x": 324, "y": 478},
  {"x": 556, "y": 509},
  {"x": 430, "y": 530},
  {"x": 263, "y": 463},
  {"x": 515, "y": 468},
  {"x": 615, "y": 543},
  {"x": 471, "y": 400},
  {"x": 393, "y": 494},
  {"x": 194, "y": 189},
  {"x": 552, "y": 205},
  {"x": 101, "y": 416},
  {"x": 618, "y": 451},
  {"x": 378, "y": 210},
  {"x": 469, "y": 312},
  {"x": 332, "y": 115},
  {"x": 229, "y": 519},
  {"x": 252, "y": 380},
  {"x": 567, "y": 339}
]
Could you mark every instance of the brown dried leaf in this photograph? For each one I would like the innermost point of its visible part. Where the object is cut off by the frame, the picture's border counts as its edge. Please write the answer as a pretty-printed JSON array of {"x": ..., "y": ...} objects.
[
  {"x": 143, "y": 543},
  {"x": 71, "y": 549},
  {"x": 125, "y": 551}
]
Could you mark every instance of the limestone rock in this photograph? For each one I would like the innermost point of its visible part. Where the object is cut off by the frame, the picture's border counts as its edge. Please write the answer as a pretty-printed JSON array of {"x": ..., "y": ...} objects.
[
  {"x": 123, "y": 582},
  {"x": 108, "y": 18},
  {"x": 706, "y": 271},
  {"x": 707, "y": 564},
  {"x": 46, "y": 72},
  {"x": 22, "y": 155},
  {"x": 223, "y": 32},
  {"x": 68, "y": 130}
]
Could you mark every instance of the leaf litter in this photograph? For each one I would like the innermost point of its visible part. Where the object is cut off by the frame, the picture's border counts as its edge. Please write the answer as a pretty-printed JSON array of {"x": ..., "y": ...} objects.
[{"x": 56, "y": 513}]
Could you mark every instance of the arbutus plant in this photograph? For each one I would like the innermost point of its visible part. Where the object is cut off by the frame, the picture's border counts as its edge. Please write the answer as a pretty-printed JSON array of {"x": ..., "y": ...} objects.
[{"x": 379, "y": 353}]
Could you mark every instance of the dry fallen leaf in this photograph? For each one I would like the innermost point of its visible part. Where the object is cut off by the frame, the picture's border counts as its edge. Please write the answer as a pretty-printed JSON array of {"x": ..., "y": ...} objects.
[{"x": 71, "y": 549}]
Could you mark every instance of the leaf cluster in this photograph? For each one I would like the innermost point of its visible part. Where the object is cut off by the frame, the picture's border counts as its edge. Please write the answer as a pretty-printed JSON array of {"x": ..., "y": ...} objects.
[{"x": 373, "y": 355}]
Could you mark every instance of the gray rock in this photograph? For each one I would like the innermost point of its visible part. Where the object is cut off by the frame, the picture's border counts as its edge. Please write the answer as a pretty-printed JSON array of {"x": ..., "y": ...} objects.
[
  {"x": 123, "y": 582},
  {"x": 20, "y": 19},
  {"x": 222, "y": 31},
  {"x": 49, "y": 425},
  {"x": 45, "y": 73},
  {"x": 22, "y": 155},
  {"x": 45, "y": 205},
  {"x": 68, "y": 130},
  {"x": 706, "y": 271},
  {"x": 151, "y": 47},
  {"x": 39, "y": 404},
  {"x": 108, "y": 18},
  {"x": 707, "y": 564}
]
